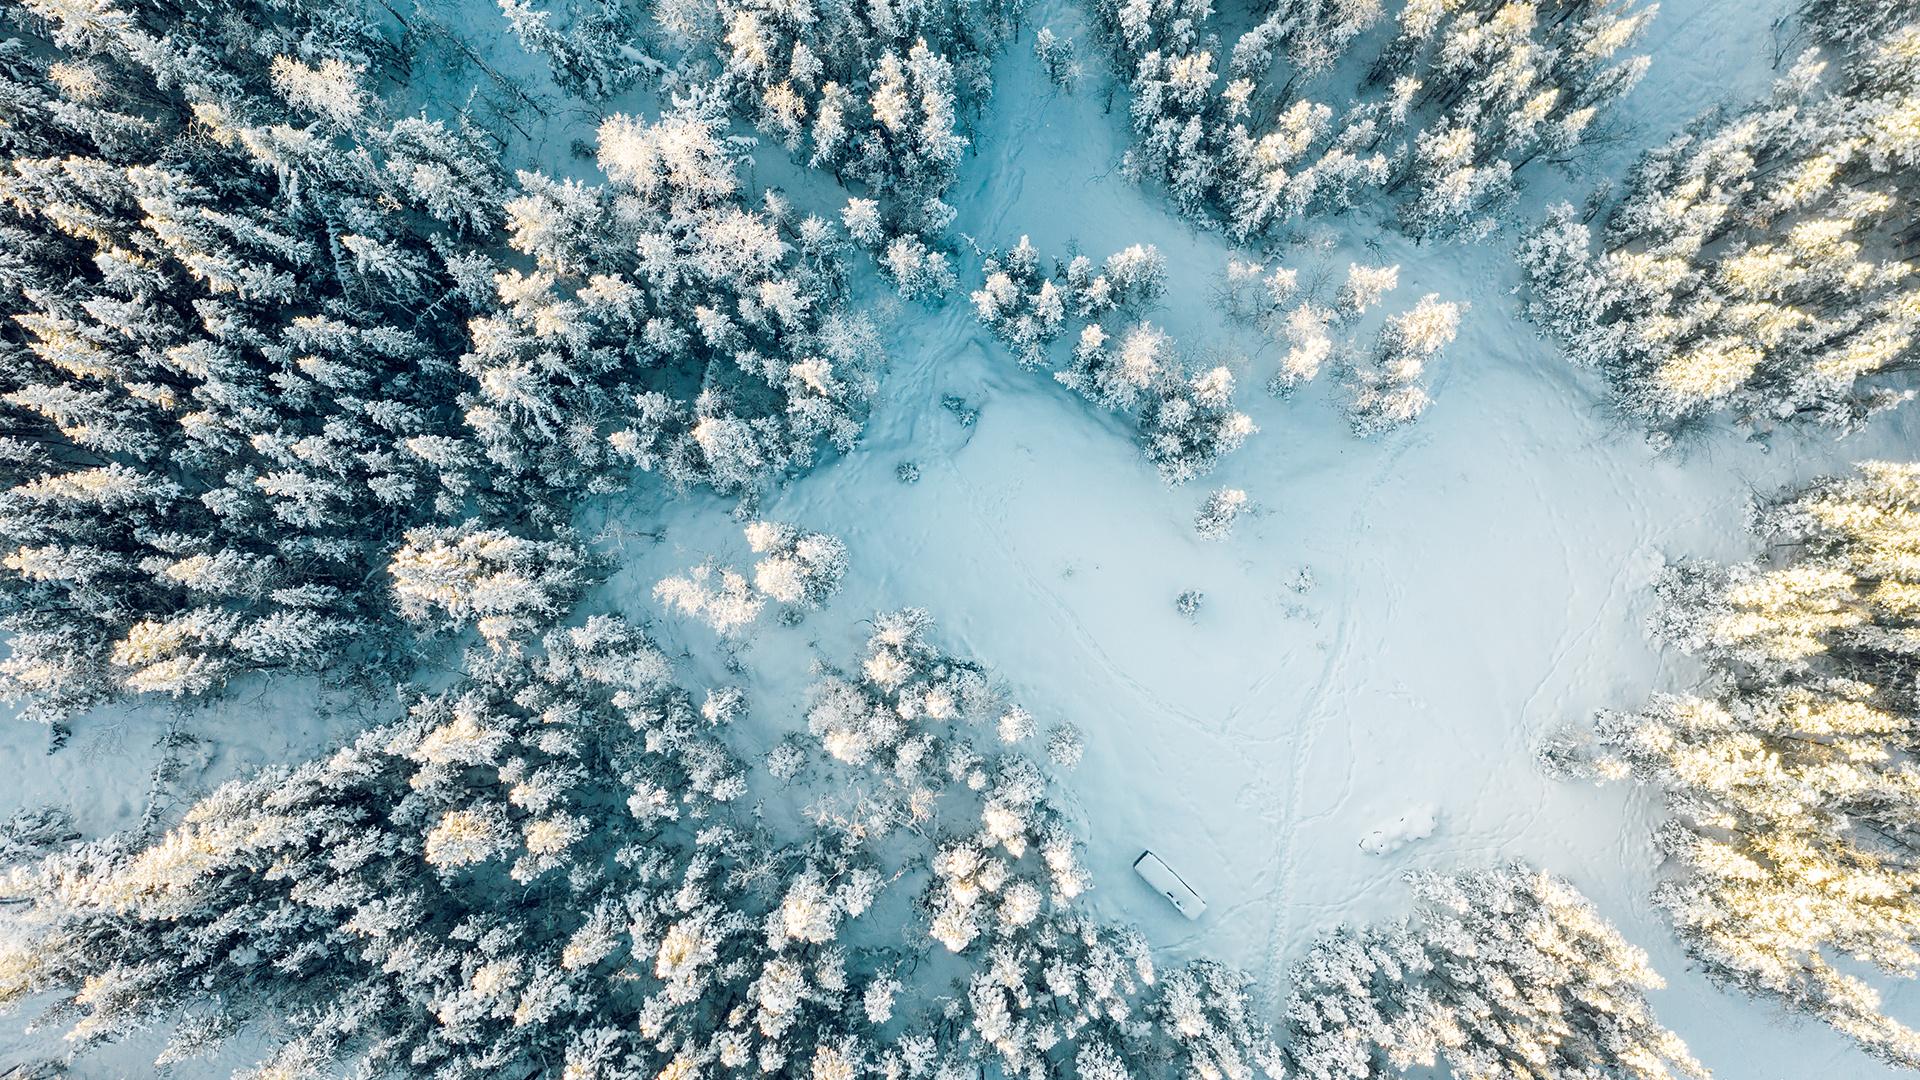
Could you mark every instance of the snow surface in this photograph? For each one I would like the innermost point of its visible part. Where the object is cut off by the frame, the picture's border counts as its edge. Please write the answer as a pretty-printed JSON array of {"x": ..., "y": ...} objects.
[{"x": 1479, "y": 579}]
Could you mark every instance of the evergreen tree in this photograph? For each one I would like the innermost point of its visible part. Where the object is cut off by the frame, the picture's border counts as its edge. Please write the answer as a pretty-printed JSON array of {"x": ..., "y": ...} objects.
[
  {"x": 1504, "y": 973},
  {"x": 1795, "y": 802},
  {"x": 536, "y": 869},
  {"x": 231, "y": 280},
  {"x": 1761, "y": 262}
]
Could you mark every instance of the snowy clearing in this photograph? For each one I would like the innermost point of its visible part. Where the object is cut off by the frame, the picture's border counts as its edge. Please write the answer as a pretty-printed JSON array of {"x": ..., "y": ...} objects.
[{"x": 1384, "y": 640}]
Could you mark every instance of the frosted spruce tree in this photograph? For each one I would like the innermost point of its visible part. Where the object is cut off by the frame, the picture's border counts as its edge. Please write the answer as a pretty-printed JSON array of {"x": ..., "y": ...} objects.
[
  {"x": 1789, "y": 777},
  {"x": 665, "y": 323},
  {"x": 537, "y": 868},
  {"x": 1760, "y": 263},
  {"x": 233, "y": 283},
  {"x": 1502, "y": 973}
]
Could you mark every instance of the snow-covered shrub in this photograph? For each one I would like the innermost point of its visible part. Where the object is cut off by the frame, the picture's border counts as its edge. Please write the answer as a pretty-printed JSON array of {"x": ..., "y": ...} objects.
[
  {"x": 1760, "y": 262},
  {"x": 1307, "y": 332},
  {"x": 1365, "y": 287},
  {"x": 1065, "y": 745},
  {"x": 716, "y": 595},
  {"x": 1217, "y": 515},
  {"x": 1189, "y": 602}
]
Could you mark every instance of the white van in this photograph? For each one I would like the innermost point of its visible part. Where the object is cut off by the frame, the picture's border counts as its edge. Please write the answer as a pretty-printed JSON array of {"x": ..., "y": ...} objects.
[{"x": 1168, "y": 884}]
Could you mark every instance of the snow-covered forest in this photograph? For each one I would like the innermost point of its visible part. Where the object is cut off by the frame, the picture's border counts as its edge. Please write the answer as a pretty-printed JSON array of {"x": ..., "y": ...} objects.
[{"x": 948, "y": 539}]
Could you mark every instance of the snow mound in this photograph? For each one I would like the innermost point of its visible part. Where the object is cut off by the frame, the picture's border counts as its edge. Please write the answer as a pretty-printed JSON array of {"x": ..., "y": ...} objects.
[{"x": 1416, "y": 824}]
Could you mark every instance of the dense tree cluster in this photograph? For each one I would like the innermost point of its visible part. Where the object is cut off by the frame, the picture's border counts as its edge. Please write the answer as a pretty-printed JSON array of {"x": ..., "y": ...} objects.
[
  {"x": 536, "y": 866},
  {"x": 1503, "y": 973},
  {"x": 1791, "y": 777},
  {"x": 1461, "y": 98},
  {"x": 287, "y": 372},
  {"x": 551, "y": 864},
  {"x": 258, "y": 327},
  {"x": 1186, "y": 417},
  {"x": 1761, "y": 262},
  {"x": 666, "y": 323},
  {"x": 231, "y": 300},
  {"x": 875, "y": 94}
]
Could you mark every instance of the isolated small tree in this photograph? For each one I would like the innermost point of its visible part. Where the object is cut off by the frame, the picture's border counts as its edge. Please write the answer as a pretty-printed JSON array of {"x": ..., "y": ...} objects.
[
  {"x": 798, "y": 568},
  {"x": 1222, "y": 508}
]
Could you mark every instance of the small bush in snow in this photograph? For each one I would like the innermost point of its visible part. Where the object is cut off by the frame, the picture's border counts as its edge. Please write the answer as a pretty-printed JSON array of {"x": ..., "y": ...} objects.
[
  {"x": 1188, "y": 603},
  {"x": 1217, "y": 515}
]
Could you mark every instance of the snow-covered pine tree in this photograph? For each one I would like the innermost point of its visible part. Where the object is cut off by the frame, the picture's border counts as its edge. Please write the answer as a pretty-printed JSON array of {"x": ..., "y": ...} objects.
[
  {"x": 537, "y": 868},
  {"x": 591, "y": 57},
  {"x": 1507, "y": 972},
  {"x": 1218, "y": 513},
  {"x": 232, "y": 280},
  {"x": 1056, "y": 55},
  {"x": 1761, "y": 262},
  {"x": 666, "y": 323},
  {"x": 1387, "y": 391},
  {"x": 1789, "y": 776}
]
